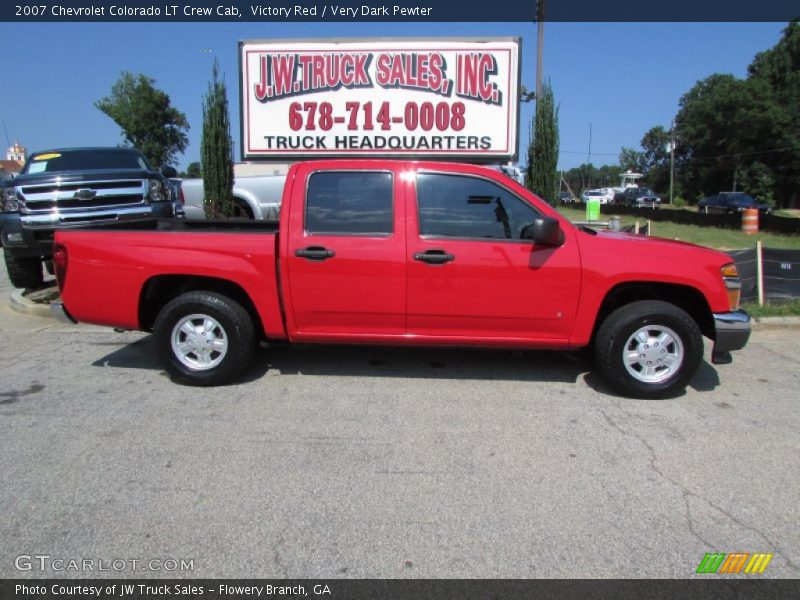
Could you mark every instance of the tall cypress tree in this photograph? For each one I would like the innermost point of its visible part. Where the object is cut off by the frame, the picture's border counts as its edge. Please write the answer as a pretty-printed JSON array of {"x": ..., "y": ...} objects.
[
  {"x": 216, "y": 150},
  {"x": 541, "y": 172}
]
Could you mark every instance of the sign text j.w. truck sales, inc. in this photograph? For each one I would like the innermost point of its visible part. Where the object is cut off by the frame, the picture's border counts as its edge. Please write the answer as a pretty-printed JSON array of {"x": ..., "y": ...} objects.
[{"x": 421, "y": 98}]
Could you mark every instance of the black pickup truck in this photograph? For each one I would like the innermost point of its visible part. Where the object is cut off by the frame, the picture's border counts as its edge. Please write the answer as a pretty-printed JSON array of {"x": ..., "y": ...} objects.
[{"x": 72, "y": 187}]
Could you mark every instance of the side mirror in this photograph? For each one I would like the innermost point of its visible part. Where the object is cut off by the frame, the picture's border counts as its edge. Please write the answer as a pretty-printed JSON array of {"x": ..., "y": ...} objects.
[
  {"x": 545, "y": 231},
  {"x": 169, "y": 172}
]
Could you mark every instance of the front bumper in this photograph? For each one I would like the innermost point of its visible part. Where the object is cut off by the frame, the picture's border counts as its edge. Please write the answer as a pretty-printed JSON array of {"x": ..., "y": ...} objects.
[{"x": 731, "y": 332}]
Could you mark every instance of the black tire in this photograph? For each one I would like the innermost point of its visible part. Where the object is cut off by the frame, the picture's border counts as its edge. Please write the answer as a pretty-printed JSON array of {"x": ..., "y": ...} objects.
[
  {"x": 24, "y": 273},
  {"x": 648, "y": 377},
  {"x": 231, "y": 324}
]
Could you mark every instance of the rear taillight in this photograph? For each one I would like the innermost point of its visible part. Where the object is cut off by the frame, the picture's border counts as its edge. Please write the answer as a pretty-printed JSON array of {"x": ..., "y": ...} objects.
[
  {"x": 181, "y": 197},
  {"x": 60, "y": 264}
]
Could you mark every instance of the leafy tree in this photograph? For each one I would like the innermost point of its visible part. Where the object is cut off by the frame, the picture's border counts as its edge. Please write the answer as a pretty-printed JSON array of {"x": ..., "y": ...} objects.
[
  {"x": 724, "y": 123},
  {"x": 631, "y": 160},
  {"x": 146, "y": 117},
  {"x": 759, "y": 180},
  {"x": 585, "y": 176},
  {"x": 541, "y": 174},
  {"x": 778, "y": 69},
  {"x": 216, "y": 150},
  {"x": 656, "y": 158},
  {"x": 193, "y": 170}
]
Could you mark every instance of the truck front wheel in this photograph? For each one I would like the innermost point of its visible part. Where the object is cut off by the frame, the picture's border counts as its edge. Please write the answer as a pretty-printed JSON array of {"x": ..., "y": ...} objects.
[
  {"x": 204, "y": 338},
  {"x": 24, "y": 273},
  {"x": 648, "y": 349}
]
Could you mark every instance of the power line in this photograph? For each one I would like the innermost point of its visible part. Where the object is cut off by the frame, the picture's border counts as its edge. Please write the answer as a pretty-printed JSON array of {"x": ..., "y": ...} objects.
[
  {"x": 584, "y": 152},
  {"x": 694, "y": 157}
]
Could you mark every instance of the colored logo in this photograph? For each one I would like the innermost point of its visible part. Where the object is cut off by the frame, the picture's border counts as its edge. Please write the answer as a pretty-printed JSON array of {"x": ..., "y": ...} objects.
[{"x": 735, "y": 563}]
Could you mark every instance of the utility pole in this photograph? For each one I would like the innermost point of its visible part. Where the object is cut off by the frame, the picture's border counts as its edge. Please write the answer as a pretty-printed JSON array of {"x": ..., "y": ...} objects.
[
  {"x": 589, "y": 159},
  {"x": 539, "y": 46},
  {"x": 671, "y": 159}
]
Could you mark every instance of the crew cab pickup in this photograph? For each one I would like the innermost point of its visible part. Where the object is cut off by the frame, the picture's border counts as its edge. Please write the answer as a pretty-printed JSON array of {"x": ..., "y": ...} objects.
[
  {"x": 395, "y": 252},
  {"x": 71, "y": 187}
]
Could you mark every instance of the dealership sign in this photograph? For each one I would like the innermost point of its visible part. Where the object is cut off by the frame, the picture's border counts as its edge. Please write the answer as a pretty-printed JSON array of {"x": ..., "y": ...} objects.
[{"x": 452, "y": 98}]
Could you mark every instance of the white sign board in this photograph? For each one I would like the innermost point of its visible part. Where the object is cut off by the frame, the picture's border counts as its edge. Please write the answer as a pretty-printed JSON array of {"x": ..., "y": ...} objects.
[{"x": 452, "y": 98}]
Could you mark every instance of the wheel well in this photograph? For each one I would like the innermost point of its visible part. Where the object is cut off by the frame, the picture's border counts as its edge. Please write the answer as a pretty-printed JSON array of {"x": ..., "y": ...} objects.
[
  {"x": 163, "y": 288},
  {"x": 245, "y": 205},
  {"x": 687, "y": 298}
]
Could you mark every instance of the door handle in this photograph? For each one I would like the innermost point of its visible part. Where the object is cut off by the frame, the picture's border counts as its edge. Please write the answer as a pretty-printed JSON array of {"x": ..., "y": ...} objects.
[
  {"x": 315, "y": 253},
  {"x": 434, "y": 257}
]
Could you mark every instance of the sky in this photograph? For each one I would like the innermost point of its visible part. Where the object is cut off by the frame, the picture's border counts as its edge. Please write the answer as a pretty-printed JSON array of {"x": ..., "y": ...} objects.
[{"x": 620, "y": 79}]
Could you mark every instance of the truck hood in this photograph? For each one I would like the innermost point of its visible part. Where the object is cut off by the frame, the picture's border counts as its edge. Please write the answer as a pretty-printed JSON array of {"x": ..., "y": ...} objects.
[
  {"x": 611, "y": 259},
  {"x": 660, "y": 249}
]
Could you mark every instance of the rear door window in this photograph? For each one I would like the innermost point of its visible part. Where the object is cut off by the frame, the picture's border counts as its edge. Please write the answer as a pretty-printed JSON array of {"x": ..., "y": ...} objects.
[{"x": 349, "y": 203}]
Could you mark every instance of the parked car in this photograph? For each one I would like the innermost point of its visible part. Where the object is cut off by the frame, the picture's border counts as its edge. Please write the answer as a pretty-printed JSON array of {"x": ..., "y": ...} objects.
[
  {"x": 730, "y": 203},
  {"x": 639, "y": 197},
  {"x": 406, "y": 252},
  {"x": 256, "y": 197},
  {"x": 566, "y": 198},
  {"x": 604, "y": 195},
  {"x": 71, "y": 187}
]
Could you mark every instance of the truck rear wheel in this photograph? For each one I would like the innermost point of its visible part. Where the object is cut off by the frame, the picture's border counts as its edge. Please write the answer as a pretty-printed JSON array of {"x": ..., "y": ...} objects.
[
  {"x": 648, "y": 349},
  {"x": 24, "y": 273},
  {"x": 204, "y": 338}
]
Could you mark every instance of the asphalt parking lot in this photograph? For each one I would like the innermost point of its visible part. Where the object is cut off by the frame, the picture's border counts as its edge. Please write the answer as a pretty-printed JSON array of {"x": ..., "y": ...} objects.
[{"x": 333, "y": 462}]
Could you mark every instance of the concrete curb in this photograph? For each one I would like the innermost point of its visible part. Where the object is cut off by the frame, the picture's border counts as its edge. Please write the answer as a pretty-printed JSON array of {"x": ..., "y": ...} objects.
[
  {"x": 764, "y": 323},
  {"x": 23, "y": 305}
]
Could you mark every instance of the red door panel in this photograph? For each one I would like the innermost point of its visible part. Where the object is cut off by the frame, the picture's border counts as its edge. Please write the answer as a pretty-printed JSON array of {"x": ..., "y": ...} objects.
[
  {"x": 492, "y": 289},
  {"x": 351, "y": 280}
]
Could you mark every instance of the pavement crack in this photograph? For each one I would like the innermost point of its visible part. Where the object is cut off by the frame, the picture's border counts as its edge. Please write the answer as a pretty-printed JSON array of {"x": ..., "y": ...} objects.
[
  {"x": 281, "y": 565},
  {"x": 690, "y": 523},
  {"x": 791, "y": 359},
  {"x": 686, "y": 493}
]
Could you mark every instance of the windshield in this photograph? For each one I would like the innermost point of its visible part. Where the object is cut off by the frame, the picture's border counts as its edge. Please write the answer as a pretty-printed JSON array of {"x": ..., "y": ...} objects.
[{"x": 81, "y": 160}]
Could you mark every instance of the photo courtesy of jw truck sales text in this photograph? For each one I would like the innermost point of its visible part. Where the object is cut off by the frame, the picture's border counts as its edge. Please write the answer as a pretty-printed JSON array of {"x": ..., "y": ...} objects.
[{"x": 393, "y": 97}]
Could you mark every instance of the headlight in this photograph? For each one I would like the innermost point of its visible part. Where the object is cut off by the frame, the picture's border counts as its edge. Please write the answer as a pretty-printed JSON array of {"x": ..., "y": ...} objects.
[
  {"x": 10, "y": 200},
  {"x": 733, "y": 283},
  {"x": 157, "y": 193}
]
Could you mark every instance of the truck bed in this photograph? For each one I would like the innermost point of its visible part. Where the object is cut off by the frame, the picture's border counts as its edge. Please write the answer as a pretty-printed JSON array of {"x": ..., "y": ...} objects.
[
  {"x": 190, "y": 225},
  {"x": 112, "y": 267}
]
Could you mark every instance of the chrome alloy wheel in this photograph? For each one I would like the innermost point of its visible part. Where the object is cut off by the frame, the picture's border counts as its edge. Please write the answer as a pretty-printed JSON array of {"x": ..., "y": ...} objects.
[
  {"x": 199, "y": 342},
  {"x": 653, "y": 354}
]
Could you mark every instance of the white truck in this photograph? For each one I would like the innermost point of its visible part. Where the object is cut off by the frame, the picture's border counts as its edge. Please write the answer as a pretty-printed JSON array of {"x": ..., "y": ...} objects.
[{"x": 256, "y": 197}]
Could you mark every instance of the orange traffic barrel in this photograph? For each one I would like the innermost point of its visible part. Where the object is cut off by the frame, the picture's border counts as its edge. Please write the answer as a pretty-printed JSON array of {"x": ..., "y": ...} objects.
[{"x": 750, "y": 220}]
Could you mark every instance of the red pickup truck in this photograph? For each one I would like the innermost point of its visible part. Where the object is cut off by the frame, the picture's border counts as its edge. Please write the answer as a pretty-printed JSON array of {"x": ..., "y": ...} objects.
[{"x": 402, "y": 252}]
